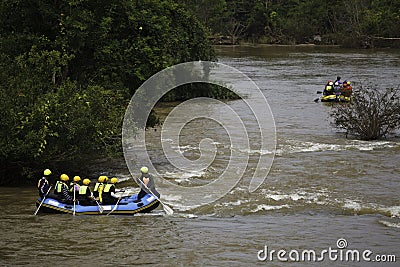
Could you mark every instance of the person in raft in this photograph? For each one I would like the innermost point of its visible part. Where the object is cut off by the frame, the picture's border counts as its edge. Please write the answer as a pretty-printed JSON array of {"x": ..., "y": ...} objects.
[
  {"x": 61, "y": 191},
  {"x": 85, "y": 197},
  {"x": 98, "y": 187},
  {"x": 109, "y": 196},
  {"x": 328, "y": 90},
  {"x": 43, "y": 183},
  {"x": 338, "y": 81},
  {"x": 146, "y": 182},
  {"x": 74, "y": 185},
  {"x": 347, "y": 89}
]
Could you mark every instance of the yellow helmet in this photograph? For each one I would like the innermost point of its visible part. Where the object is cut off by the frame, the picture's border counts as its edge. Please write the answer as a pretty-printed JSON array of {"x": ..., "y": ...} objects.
[
  {"x": 46, "y": 172},
  {"x": 105, "y": 179},
  {"x": 114, "y": 180},
  {"x": 144, "y": 170},
  {"x": 101, "y": 179},
  {"x": 77, "y": 179},
  {"x": 64, "y": 177},
  {"x": 348, "y": 82},
  {"x": 86, "y": 181}
]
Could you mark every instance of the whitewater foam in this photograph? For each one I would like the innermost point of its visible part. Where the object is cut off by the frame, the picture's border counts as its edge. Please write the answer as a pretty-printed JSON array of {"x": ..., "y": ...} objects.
[
  {"x": 184, "y": 176},
  {"x": 264, "y": 207},
  {"x": 296, "y": 195},
  {"x": 390, "y": 224},
  {"x": 297, "y": 146}
]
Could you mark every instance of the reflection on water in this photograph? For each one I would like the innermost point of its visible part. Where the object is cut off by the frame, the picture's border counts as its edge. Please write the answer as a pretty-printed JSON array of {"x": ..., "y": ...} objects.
[{"x": 321, "y": 187}]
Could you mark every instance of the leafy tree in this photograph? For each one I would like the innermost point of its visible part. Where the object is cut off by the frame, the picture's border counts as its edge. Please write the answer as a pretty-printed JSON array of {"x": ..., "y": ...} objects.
[
  {"x": 345, "y": 22},
  {"x": 372, "y": 114},
  {"x": 68, "y": 69},
  {"x": 257, "y": 21},
  {"x": 382, "y": 18},
  {"x": 210, "y": 13},
  {"x": 45, "y": 123},
  {"x": 123, "y": 43}
]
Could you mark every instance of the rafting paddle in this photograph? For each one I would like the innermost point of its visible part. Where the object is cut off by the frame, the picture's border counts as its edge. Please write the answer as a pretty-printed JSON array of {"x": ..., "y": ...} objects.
[
  {"x": 167, "y": 209},
  {"x": 44, "y": 197},
  {"x": 100, "y": 207},
  {"x": 73, "y": 188},
  {"x": 317, "y": 99},
  {"x": 115, "y": 207}
]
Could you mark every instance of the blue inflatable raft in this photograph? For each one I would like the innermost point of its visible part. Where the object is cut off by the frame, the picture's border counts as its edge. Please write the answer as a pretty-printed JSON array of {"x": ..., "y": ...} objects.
[{"x": 126, "y": 206}]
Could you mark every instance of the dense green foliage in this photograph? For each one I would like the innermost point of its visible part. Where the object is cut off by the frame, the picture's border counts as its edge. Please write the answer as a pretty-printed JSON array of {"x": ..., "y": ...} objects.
[
  {"x": 68, "y": 69},
  {"x": 372, "y": 114},
  {"x": 345, "y": 22}
]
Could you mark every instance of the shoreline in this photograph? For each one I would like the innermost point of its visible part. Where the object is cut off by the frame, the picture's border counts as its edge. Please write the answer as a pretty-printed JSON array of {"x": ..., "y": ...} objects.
[{"x": 305, "y": 46}]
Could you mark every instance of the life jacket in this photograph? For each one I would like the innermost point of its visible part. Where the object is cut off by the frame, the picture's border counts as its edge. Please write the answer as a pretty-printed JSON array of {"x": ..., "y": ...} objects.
[
  {"x": 96, "y": 187},
  {"x": 43, "y": 186},
  {"x": 98, "y": 191},
  {"x": 337, "y": 87},
  {"x": 83, "y": 190},
  {"x": 347, "y": 91},
  {"x": 42, "y": 181},
  {"x": 108, "y": 187},
  {"x": 56, "y": 186},
  {"x": 72, "y": 186},
  {"x": 107, "y": 190},
  {"x": 59, "y": 187}
]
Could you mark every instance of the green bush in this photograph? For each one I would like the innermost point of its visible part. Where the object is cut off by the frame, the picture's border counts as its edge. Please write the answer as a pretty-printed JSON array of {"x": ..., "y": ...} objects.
[{"x": 372, "y": 114}]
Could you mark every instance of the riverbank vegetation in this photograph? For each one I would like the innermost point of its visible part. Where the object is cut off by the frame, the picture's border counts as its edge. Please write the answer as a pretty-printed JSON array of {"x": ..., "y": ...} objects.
[
  {"x": 69, "y": 68},
  {"x": 372, "y": 114},
  {"x": 350, "y": 23}
]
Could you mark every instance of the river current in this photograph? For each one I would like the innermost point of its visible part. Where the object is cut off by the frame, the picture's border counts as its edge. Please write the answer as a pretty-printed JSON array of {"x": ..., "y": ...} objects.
[{"x": 324, "y": 192}]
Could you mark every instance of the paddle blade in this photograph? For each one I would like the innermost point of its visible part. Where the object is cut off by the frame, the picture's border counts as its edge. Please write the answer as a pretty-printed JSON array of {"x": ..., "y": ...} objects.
[
  {"x": 101, "y": 209},
  {"x": 319, "y": 92},
  {"x": 168, "y": 210}
]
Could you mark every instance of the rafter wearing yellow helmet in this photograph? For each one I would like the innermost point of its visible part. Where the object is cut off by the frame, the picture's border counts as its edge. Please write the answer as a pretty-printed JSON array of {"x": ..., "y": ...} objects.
[
  {"x": 109, "y": 196},
  {"x": 84, "y": 194},
  {"x": 61, "y": 189},
  {"x": 43, "y": 184},
  {"x": 147, "y": 185},
  {"x": 98, "y": 188}
]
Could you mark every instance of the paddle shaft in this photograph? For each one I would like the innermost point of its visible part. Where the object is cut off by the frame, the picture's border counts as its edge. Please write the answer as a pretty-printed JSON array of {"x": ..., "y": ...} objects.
[
  {"x": 44, "y": 197},
  {"x": 101, "y": 209},
  {"x": 73, "y": 188},
  {"x": 115, "y": 207}
]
